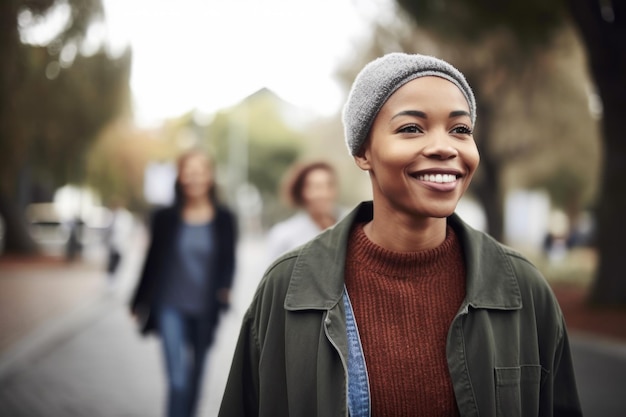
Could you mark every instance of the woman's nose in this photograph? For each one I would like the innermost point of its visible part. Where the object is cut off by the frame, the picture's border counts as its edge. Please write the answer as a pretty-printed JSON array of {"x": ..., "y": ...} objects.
[{"x": 441, "y": 146}]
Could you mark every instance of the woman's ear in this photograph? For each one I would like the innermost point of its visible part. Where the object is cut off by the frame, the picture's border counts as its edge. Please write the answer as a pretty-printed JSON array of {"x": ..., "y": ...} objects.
[{"x": 362, "y": 160}]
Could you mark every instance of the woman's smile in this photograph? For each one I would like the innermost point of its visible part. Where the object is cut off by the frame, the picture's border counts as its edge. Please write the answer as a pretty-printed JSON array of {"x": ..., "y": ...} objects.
[{"x": 438, "y": 180}]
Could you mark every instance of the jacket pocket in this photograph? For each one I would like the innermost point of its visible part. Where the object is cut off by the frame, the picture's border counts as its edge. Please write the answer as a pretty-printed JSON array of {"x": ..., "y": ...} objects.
[{"x": 517, "y": 390}]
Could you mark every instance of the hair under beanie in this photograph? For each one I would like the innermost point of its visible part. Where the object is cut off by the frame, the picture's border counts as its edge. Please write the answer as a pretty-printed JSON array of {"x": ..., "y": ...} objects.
[{"x": 379, "y": 79}]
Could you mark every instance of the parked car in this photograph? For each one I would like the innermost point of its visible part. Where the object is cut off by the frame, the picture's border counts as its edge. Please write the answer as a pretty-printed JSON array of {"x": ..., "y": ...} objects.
[{"x": 46, "y": 225}]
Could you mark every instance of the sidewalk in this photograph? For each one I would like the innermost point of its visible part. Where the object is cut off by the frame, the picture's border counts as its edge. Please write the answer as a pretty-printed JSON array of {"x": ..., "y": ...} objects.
[
  {"x": 85, "y": 360},
  {"x": 35, "y": 290},
  {"x": 72, "y": 349},
  {"x": 41, "y": 299},
  {"x": 44, "y": 298}
]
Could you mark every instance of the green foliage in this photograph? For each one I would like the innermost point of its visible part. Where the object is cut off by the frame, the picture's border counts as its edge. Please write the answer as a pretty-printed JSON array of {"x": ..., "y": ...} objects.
[
  {"x": 268, "y": 165},
  {"x": 51, "y": 106},
  {"x": 531, "y": 21},
  {"x": 116, "y": 163},
  {"x": 565, "y": 186},
  {"x": 69, "y": 111},
  {"x": 82, "y": 14},
  {"x": 51, "y": 110},
  {"x": 271, "y": 145}
]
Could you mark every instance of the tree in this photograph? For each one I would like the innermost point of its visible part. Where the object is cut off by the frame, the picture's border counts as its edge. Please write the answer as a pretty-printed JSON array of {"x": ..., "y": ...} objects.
[
  {"x": 130, "y": 148},
  {"x": 53, "y": 101},
  {"x": 602, "y": 27},
  {"x": 258, "y": 127}
]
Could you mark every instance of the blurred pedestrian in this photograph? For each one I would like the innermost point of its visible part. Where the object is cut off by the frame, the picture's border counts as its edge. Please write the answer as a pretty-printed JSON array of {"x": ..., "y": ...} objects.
[
  {"x": 187, "y": 277},
  {"x": 402, "y": 309},
  {"x": 74, "y": 245},
  {"x": 118, "y": 236},
  {"x": 311, "y": 188}
]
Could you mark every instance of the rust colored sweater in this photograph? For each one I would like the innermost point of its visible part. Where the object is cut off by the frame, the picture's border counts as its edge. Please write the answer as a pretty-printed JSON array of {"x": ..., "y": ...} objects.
[{"x": 403, "y": 304}]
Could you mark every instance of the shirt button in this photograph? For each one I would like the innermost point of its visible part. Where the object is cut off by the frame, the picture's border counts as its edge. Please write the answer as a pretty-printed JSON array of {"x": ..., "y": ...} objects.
[{"x": 327, "y": 321}]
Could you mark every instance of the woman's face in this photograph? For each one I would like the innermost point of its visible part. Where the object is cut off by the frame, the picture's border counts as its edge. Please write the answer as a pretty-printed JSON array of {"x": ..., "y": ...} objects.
[
  {"x": 195, "y": 176},
  {"x": 421, "y": 154},
  {"x": 319, "y": 192}
]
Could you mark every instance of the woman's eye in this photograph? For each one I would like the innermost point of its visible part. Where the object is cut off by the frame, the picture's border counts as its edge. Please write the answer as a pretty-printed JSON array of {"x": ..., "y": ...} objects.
[
  {"x": 410, "y": 129},
  {"x": 462, "y": 130}
]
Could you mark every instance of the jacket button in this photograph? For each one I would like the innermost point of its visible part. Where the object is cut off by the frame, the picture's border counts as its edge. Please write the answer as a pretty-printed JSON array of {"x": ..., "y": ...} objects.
[{"x": 327, "y": 321}]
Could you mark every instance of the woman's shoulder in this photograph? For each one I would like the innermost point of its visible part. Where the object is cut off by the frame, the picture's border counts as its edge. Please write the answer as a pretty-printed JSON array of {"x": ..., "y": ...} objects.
[
  {"x": 494, "y": 254},
  {"x": 223, "y": 211},
  {"x": 273, "y": 286},
  {"x": 161, "y": 214},
  {"x": 224, "y": 215},
  {"x": 532, "y": 282}
]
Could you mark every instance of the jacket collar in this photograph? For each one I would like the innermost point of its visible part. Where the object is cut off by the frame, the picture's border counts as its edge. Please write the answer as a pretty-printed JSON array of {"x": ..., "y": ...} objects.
[{"x": 317, "y": 277}]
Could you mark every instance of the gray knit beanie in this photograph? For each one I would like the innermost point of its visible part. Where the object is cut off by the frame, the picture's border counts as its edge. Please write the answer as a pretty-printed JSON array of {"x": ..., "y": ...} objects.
[{"x": 379, "y": 79}]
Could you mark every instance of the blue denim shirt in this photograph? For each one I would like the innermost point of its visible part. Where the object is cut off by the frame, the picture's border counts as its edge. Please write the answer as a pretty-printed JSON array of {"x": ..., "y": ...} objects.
[{"x": 358, "y": 383}]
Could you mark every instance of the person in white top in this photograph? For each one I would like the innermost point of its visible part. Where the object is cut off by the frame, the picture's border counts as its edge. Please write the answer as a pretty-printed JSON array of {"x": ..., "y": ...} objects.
[
  {"x": 118, "y": 235},
  {"x": 312, "y": 188}
]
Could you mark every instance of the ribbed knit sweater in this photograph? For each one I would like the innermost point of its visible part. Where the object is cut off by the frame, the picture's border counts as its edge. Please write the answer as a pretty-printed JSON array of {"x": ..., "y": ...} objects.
[{"x": 404, "y": 303}]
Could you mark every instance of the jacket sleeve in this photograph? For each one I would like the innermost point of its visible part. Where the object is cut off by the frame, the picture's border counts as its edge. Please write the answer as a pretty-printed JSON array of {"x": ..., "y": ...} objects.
[
  {"x": 141, "y": 292},
  {"x": 241, "y": 396},
  {"x": 229, "y": 237},
  {"x": 565, "y": 393}
]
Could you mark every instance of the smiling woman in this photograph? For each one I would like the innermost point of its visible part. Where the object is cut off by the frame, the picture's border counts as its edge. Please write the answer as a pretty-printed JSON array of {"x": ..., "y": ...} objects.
[
  {"x": 213, "y": 54},
  {"x": 402, "y": 308}
]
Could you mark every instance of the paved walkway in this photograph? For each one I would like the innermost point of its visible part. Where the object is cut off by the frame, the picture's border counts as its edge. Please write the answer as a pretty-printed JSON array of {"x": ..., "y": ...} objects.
[{"x": 69, "y": 348}]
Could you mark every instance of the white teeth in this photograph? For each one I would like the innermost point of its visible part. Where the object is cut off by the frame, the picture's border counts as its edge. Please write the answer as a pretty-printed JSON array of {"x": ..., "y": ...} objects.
[{"x": 438, "y": 178}]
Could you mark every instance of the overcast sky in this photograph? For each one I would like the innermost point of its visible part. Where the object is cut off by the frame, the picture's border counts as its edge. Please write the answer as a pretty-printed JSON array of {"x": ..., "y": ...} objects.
[{"x": 210, "y": 54}]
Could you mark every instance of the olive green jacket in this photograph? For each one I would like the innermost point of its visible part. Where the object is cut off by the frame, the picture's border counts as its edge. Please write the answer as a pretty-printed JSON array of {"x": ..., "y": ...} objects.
[{"x": 507, "y": 348}]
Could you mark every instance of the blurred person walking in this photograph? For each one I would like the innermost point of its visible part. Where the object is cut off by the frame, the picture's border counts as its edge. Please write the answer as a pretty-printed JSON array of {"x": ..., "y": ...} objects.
[
  {"x": 186, "y": 278},
  {"x": 402, "y": 309},
  {"x": 74, "y": 244},
  {"x": 312, "y": 189},
  {"x": 118, "y": 236}
]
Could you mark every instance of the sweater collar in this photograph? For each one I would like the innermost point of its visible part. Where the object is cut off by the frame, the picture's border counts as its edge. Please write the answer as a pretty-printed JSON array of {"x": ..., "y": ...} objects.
[
  {"x": 491, "y": 281},
  {"x": 425, "y": 264}
]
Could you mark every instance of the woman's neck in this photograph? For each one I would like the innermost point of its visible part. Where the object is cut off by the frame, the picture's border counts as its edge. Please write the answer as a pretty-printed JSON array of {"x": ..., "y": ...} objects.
[
  {"x": 198, "y": 210},
  {"x": 404, "y": 233}
]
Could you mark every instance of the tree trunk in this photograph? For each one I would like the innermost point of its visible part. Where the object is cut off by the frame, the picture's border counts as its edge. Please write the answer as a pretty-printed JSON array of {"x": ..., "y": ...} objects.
[
  {"x": 487, "y": 190},
  {"x": 604, "y": 34},
  {"x": 17, "y": 240},
  {"x": 486, "y": 185},
  {"x": 16, "y": 237}
]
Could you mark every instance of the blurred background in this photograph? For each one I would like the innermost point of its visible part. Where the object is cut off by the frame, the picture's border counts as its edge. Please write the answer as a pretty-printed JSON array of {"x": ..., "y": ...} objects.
[{"x": 99, "y": 97}]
